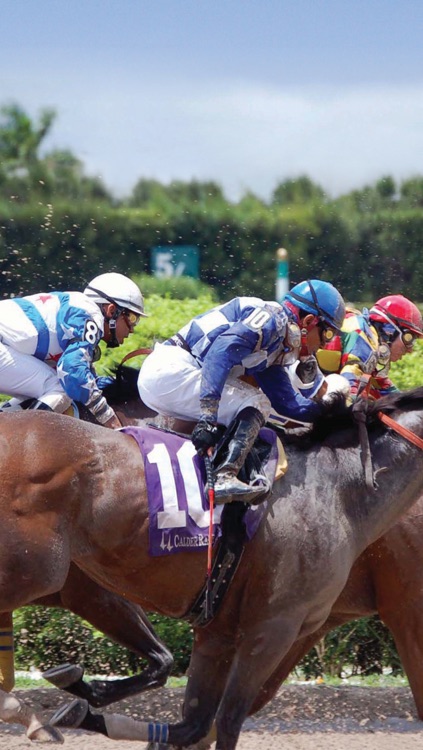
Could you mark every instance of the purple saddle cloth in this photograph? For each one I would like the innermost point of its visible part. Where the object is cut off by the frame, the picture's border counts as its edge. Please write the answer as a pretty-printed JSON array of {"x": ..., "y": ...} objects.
[{"x": 177, "y": 498}]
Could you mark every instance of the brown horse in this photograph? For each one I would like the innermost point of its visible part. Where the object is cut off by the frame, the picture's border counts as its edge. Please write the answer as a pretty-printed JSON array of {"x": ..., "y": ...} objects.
[
  {"x": 126, "y": 622},
  {"x": 70, "y": 492}
]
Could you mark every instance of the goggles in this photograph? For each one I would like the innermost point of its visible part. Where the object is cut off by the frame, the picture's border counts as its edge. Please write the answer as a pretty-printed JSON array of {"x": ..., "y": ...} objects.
[
  {"x": 131, "y": 318},
  {"x": 407, "y": 337},
  {"x": 326, "y": 332}
]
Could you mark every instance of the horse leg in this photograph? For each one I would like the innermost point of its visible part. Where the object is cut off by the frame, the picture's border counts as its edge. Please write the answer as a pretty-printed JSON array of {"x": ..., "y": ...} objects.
[
  {"x": 207, "y": 674},
  {"x": 298, "y": 650},
  {"x": 405, "y": 624},
  {"x": 14, "y": 711},
  {"x": 7, "y": 661},
  {"x": 255, "y": 661},
  {"x": 125, "y": 623}
]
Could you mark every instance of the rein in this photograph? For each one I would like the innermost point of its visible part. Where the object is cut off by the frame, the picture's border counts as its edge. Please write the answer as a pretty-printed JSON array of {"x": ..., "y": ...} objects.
[
  {"x": 403, "y": 431},
  {"x": 135, "y": 353}
]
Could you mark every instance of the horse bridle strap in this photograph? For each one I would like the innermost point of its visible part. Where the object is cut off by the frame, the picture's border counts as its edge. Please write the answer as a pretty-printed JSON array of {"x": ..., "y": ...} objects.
[
  {"x": 403, "y": 431},
  {"x": 136, "y": 353}
]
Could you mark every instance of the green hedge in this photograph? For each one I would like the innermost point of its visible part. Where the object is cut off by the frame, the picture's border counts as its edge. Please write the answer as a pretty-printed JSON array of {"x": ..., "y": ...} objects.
[{"x": 62, "y": 245}]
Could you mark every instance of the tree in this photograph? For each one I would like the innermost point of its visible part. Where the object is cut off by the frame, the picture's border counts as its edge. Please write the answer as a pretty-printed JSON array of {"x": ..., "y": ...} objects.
[
  {"x": 386, "y": 187},
  {"x": 21, "y": 137},
  {"x": 298, "y": 190},
  {"x": 412, "y": 191}
]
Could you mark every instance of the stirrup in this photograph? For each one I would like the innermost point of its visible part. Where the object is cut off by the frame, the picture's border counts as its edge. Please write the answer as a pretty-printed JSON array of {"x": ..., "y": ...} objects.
[{"x": 228, "y": 488}]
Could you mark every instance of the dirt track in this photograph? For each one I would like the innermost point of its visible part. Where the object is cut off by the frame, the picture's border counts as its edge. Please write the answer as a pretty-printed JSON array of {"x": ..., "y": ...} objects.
[{"x": 299, "y": 718}]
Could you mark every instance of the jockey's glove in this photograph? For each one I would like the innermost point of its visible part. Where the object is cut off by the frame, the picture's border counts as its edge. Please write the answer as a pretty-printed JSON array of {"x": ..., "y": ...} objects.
[
  {"x": 205, "y": 435},
  {"x": 103, "y": 381}
]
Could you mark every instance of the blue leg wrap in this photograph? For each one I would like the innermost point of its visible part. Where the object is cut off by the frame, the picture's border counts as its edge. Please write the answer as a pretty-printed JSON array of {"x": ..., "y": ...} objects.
[{"x": 158, "y": 732}]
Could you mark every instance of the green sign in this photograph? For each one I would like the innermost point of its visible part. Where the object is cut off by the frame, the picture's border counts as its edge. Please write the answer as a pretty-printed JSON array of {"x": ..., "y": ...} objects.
[{"x": 175, "y": 260}]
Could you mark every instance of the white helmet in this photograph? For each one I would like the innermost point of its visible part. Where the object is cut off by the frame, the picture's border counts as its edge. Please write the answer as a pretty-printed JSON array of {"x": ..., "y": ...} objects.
[{"x": 117, "y": 288}]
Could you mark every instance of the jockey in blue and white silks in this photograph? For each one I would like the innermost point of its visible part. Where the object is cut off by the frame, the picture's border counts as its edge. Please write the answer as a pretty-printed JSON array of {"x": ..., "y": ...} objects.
[
  {"x": 196, "y": 374},
  {"x": 48, "y": 342}
]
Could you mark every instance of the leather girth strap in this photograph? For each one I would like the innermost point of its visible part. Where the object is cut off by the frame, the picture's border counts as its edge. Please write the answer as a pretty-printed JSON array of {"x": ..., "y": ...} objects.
[{"x": 227, "y": 556}]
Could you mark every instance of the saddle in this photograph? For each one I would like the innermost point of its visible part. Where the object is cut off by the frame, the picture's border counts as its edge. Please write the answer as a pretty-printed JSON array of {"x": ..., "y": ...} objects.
[{"x": 253, "y": 469}]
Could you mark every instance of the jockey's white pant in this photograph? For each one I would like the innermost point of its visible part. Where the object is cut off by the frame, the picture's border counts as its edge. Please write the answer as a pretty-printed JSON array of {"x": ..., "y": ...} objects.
[
  {"x": 25, "y": 376},
  {"x": 170, "y": 379}
]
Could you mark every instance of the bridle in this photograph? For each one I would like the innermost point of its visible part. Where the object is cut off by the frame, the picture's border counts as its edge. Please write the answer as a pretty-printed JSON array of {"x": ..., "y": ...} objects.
[
  {"x": 403, "y": 431},
  {"x": 360, "y": 416},
  {"x": 136, "y": 353}
]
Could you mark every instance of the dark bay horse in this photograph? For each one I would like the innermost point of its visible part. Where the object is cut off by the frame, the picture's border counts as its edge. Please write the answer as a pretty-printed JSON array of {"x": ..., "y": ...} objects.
[
  {"x": 70, "y": 492},
  {"x": 387, "y": 579}
]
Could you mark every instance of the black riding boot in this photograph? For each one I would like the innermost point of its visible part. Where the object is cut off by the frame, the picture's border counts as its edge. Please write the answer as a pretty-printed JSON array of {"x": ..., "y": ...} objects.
[
  {"x": 34, "y": 403},
  {"x": 227, "y": 485}
]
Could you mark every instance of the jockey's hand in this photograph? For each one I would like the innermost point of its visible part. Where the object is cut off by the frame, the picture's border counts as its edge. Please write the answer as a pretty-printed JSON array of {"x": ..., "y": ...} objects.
[
  {"x": 103, "y": 381},
  {"x": 204, "y": 436}
]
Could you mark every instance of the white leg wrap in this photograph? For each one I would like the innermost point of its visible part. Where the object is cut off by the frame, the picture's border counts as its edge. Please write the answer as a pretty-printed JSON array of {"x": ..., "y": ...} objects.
[
  {"x": 121, "y": 727},
  {"x": 57, "y": 401}
]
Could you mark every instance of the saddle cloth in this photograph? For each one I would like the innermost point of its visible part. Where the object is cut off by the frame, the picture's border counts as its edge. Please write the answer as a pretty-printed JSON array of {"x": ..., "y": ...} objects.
[{"x": 176, "y": 488}]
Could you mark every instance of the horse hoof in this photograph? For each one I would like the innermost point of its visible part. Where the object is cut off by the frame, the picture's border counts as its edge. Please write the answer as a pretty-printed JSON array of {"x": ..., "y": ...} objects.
[
  {"x": 70, "y": 716},
  {"x": 45, "y": 733},
  {"x": 64, "y": 676}
]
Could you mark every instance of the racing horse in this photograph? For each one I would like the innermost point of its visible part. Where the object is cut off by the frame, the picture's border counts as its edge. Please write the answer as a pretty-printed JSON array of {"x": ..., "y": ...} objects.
[
  {"x": 70, "y": 492},
  {"x": 121, "y": 620},
  {"x": 387, "y": 579}
]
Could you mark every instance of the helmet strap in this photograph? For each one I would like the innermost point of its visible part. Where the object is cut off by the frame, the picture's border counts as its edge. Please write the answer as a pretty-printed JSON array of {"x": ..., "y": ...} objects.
[
  {"x": 113, "y": 340},
  {"x": 304, "y": 352}
]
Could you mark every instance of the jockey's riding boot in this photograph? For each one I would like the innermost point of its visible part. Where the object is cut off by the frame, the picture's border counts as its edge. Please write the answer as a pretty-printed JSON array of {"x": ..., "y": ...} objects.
[
  {"x": 13, "y": 404},
  {"x": 34, "y": 403},
  {"x": 227, "y": 486}
]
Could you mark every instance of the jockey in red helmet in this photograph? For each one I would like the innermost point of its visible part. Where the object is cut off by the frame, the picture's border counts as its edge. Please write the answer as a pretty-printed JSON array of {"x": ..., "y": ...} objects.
[
  {"x": 371, "y": 340},
  {"x": 398, "y": 322}
]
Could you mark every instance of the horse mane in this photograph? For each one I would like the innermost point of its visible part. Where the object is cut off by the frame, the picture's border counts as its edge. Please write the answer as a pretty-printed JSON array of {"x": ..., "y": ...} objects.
[
  {"x": 404, "y": 400},
  {"x": 125, "y": 385},
  {"x": 340, "y": 428}
]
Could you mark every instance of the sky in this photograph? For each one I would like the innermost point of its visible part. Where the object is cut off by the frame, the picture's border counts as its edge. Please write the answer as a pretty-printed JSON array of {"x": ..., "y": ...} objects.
[{"x": 246, "y": 93}]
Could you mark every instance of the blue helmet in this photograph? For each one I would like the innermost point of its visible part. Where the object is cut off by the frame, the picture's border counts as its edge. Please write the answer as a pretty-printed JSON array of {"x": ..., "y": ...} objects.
[{"x": 319, "y": 298}]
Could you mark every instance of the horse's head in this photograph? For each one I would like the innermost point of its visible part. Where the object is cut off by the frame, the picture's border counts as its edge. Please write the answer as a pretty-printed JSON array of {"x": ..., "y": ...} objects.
[{"x": 124, "y": 387}]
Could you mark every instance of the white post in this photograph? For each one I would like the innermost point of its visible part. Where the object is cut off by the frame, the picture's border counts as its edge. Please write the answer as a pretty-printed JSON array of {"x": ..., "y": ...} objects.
[{"x": 282, "y": 277}]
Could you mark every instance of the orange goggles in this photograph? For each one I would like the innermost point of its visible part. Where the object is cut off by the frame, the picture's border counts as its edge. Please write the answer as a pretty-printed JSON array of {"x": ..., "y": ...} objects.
[{"x": 131, "y": 318}]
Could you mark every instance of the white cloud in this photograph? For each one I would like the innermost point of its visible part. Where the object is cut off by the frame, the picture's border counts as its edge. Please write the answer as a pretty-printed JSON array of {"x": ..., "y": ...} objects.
[{"x": 243, "y": 136}]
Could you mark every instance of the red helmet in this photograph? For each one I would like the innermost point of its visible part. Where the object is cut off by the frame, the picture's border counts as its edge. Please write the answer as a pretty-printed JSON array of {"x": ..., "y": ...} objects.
[{"x": 400, "y": 312}]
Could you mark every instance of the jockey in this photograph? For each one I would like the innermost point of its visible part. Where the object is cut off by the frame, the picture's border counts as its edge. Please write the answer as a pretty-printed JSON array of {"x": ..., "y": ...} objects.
[
  {"x": 49, "y": 341},
  {"x": 196, "y": 373},
  {"x": 370, "y": 341}
]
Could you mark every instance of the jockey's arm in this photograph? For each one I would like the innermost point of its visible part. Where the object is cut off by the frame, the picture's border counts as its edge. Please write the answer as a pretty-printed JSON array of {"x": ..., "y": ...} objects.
[
  {"x": 227, "y": 351},
  {"x": 276, "y": 384},
  {"x": 79, "y": 382},
  {"x": 359, "y": 357}
]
